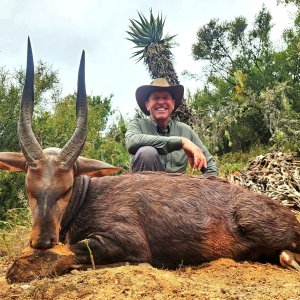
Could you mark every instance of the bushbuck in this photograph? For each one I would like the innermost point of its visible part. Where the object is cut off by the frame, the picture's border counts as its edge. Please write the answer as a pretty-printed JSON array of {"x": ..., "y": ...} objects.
[{"x": 159, "y": 218}]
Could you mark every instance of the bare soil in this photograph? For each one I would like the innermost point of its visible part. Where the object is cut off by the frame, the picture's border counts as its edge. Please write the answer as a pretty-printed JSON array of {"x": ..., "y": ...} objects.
[{"x": 220, "y": 279}]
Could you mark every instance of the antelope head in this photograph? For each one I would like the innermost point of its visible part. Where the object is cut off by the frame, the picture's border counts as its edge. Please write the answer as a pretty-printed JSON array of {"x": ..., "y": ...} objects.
[{"x": 50, "y": 173}]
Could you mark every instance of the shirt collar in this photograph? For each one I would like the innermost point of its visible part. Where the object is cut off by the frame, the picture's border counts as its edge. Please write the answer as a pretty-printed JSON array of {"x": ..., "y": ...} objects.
[{"x": 158, "y": 128}]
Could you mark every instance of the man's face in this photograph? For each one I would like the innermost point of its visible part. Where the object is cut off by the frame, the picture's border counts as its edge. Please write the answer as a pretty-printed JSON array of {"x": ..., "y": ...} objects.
[{"x": 160, "y": 105}]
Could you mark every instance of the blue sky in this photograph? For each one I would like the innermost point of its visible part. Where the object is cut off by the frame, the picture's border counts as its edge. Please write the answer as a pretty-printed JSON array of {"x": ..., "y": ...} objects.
[{"x": 60, "y": 29}]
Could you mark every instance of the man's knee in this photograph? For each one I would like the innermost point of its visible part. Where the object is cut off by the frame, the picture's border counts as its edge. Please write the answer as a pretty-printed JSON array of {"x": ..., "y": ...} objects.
[
  {"x": 147, "y": 159},
  {"x": 147, "y": 154}
]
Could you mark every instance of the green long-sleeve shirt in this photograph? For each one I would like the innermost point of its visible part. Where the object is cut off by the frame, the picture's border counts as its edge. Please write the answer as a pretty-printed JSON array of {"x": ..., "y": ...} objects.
[{"x": 145, "y": 132}]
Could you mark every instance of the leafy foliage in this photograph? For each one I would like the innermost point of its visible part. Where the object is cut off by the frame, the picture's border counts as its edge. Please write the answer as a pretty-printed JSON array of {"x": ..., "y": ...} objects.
[
  {"x": 11, "y": 86},
  {"x": 143, "y": 33},
  {"x": 55, "y": 127},
  {"x": 113, "y": 149},
  {"x": 234, "y": 161},
  {"x": 295, "y": 2},
  {"x": 155, "y": 47},
  {"x": 251, "y": 92}
]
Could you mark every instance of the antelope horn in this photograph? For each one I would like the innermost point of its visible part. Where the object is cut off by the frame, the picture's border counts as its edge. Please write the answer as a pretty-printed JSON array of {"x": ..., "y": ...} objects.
[
  {"x": 72, "y": 149},
  {"x": 30, "y": 146}
]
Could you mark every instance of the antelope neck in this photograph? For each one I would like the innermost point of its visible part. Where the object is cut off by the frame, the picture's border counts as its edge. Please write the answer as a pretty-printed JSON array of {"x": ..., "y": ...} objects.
[{"x": 80, "y": 188}]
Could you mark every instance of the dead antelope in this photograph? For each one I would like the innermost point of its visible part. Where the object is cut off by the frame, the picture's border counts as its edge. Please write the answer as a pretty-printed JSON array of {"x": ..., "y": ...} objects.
[{"x": 163, "y": 219}]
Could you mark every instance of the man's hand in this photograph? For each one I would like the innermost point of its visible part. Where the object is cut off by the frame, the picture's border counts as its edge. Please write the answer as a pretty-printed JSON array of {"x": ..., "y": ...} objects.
[{"x": 194, "y": 153}]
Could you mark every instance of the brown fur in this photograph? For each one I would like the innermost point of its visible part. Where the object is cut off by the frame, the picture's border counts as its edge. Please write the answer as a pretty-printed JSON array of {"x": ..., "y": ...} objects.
[{"x": 170, "y": 219}]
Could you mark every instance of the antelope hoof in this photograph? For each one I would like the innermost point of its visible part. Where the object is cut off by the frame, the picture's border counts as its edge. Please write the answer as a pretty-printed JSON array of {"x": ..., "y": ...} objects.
[{"x": 290, "y": 260}]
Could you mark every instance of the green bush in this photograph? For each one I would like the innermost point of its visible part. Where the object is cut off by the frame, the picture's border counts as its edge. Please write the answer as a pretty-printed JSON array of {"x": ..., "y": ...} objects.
[{"x": 231, "y": 162}]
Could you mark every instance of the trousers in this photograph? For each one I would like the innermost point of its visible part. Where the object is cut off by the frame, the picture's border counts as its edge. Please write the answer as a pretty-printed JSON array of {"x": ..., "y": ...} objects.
[{"x": 146, "y": 159}]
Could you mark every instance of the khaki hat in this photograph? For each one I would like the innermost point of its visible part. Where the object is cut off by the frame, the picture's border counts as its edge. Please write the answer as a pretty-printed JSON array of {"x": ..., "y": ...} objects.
[{"x": 159, "y": 84}]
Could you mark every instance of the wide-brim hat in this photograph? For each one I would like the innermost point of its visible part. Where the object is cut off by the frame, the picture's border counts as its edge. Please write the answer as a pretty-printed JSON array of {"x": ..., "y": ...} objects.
[{"x": 159, "y": 84}]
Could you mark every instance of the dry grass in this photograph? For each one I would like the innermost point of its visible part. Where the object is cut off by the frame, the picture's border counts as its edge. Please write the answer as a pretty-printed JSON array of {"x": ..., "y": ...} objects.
[{"x": 14, "y": 232}]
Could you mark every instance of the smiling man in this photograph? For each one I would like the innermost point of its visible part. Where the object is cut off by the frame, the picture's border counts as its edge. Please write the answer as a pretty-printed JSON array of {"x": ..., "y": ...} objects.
[{"x": 158, "y": 143}]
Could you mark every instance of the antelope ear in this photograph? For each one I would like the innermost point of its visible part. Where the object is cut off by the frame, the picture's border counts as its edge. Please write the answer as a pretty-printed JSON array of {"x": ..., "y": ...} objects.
[
  {"x": 94, "y": 167},
  {"x": 12, "y": 161}
]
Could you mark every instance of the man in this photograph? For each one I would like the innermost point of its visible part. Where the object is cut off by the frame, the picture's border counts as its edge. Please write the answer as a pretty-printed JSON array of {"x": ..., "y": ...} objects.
[{"x": 159, "y": 143}]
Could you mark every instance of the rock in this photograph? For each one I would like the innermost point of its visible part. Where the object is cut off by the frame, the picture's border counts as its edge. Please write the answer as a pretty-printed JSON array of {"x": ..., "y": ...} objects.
[{"x": 36, "y": 263}]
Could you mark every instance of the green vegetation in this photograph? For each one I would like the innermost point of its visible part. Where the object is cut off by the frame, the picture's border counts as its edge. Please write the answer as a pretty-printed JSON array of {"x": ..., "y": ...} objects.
[
  {"x": 233, "y": 161},
  {"x": 155, "y": 48},
  {"x": 251, "y": 91},
  {"x": 11, "y": 85}
]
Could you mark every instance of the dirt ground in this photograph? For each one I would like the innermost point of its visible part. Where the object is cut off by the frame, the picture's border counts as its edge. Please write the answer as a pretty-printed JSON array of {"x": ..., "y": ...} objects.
[{"x": 220, "y": 279}]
